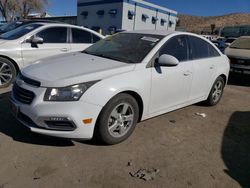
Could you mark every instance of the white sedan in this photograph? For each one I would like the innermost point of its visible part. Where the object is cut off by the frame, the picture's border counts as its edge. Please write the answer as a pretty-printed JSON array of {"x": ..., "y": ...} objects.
[
  {"x": 28, "y": 43},
  {"x": 126, "y": 78}
]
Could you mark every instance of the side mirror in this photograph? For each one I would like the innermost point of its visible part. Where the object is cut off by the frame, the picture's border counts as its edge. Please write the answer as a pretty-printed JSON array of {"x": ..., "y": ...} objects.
[
  {"x": 167, "y": 60},
  {"x": 37, "y": 40}
]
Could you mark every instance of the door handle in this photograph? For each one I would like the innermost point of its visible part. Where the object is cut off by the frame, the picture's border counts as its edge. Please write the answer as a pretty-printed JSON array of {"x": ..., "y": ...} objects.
[
  {"x": 64, "y": 49},
  {"x": 187, "y": 73},
  {"x": 211, "y": 67}
]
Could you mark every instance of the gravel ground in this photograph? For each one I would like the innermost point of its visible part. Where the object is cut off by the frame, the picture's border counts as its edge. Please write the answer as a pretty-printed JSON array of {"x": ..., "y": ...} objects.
[{"x": 183, "y": 149}]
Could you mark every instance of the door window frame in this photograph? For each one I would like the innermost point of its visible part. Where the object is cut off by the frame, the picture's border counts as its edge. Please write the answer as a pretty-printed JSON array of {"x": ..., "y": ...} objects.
[
  {"x": 43, "y": 29},
  {"x": 71, "y": 36}
]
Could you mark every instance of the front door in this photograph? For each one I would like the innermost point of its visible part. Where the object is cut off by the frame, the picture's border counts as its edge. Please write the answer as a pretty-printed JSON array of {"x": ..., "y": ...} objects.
[
  {"x": 55, "y": 42},
  {"x": 171, "y": 85}
]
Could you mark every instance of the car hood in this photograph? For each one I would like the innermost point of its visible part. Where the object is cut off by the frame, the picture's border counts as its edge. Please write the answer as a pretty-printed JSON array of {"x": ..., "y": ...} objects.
[
  {"x": 3, "y": 41},
  {"x": 74, "y": 68},
  {"x": 238, "y": 53}
]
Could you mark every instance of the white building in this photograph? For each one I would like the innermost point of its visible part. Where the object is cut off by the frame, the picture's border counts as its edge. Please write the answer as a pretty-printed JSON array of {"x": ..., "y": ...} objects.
[{"x": 111, "y": 15}]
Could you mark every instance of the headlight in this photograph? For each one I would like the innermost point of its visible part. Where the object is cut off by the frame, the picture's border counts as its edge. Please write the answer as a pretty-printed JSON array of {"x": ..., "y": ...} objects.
[{"x": 70, "y": 93}]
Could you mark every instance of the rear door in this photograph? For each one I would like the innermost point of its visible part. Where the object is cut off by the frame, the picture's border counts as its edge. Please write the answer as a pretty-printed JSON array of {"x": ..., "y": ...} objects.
[
  {"x": 81, "y": 39},
  {"x": 171, "y": 85},
  {"x": 205, "y": 59},
  {"x": 55, "y": 42}
]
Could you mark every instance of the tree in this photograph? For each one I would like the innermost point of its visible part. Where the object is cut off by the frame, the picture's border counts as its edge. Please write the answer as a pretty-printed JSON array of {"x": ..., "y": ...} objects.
[
  {"x": 8, "y": 9},
  {"x": 28, "y": 6}
]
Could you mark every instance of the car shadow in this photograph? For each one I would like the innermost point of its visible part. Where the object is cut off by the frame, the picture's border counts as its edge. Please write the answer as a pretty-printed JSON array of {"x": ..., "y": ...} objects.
[
  {"x": 9, "y": 126},
  {"x": 239, "y": 79},
  {"x": 235, "y": 149}
]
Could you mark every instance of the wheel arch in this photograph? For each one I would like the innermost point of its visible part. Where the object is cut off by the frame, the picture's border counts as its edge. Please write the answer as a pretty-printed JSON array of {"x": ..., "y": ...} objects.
[
  {"x": 139, "y": 100},
  {"x": 12, "y": 61},
  {"x": 224, "y": 78}
]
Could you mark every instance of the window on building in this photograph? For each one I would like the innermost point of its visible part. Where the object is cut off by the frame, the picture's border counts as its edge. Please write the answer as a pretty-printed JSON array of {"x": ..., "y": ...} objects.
[
  {"x": 113, "y": 12},
  {"x": 170, "y": 23},
  {"x": 85, "y": 14},
  {"x": 100, "y": 12},
  {"x": 154, "y": 20},
  {"x": 53, "y": 35},
  {"x": 163, "y": 21},
  {"x": 177, "y": 47},
  {"x": 144, "y": 17},
  {"x": 81, "y": 36},
  {"x": 131, "y": 14}
]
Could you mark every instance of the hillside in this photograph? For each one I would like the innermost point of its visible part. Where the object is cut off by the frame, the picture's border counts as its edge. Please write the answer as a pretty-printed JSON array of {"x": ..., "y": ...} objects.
[{"x": 199, "y": 23}]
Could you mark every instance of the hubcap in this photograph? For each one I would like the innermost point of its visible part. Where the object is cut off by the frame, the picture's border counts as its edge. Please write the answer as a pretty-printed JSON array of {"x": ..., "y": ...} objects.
[
  {"x": 217, "y": 92},
  {"x": 121, "y": 120},
  {"x": 5, "y": 74}
]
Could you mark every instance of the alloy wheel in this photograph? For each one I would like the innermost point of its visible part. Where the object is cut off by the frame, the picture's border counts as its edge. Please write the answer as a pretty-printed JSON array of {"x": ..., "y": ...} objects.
[
  {"x": 121, "y": 120},
  {"x": 5, "y": 74},
  {"x": 217, "y": 91}
]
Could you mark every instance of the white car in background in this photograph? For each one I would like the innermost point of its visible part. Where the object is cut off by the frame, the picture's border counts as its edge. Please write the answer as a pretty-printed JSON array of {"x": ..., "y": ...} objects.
[
  {"x": 28, "y": 43},
  {"x": 121, "y": 80}
]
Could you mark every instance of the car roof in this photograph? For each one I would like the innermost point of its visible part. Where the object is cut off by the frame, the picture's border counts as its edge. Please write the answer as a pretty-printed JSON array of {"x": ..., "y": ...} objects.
[
  {"x": 153, "y": 32},
  {"x": 35, "y": 21}
]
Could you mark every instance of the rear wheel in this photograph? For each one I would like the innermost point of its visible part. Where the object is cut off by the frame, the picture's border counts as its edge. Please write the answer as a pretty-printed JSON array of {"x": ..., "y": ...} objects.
[
  {"x": 118, "y": 119},
  {"x": 216, "y": 92},
  {"x": 7, "y": 72}
]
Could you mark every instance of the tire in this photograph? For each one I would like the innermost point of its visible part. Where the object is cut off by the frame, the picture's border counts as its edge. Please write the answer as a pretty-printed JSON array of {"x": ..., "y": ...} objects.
[
  {"x": 8, "y": 72},
  {"x": 216, "y": 92},
  {"x": 112, "y": 127}
]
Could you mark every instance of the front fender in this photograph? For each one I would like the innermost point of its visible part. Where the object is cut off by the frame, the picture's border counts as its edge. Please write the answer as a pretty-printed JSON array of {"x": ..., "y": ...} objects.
[{"x": 138, "y": 81}]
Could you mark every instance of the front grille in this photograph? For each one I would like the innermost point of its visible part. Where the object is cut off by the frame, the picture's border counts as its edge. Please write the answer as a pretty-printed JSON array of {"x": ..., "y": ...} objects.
[
  {"x": 236, "y": 61},
  {"x": 22, "y": 95},
  {"x": 30, "y": 81},
  {"x": 61, "y": 125}
]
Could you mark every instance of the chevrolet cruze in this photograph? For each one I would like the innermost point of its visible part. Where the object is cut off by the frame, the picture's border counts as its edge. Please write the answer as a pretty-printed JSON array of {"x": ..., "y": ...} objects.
[{"x": 105, "y": 90}]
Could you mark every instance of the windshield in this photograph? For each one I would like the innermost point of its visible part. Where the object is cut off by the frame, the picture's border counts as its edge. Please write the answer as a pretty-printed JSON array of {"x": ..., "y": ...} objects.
[
  {"x": 125, "y": 47},
  {"x": 10, "y": 26},
  {"x": 19, "y": 32},
  {"x": 241, "y": 43}
]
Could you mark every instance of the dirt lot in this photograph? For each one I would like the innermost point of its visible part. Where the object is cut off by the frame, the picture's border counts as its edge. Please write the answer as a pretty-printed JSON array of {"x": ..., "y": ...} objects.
[{"x": 191, "y": 152}]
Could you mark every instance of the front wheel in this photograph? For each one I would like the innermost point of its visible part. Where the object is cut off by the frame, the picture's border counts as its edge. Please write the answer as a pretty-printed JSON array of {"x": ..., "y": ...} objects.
[
  {"x": 216, "y": 92},
  {"x": 7, "y": 72},
  {"x": 118, "y": 119}
]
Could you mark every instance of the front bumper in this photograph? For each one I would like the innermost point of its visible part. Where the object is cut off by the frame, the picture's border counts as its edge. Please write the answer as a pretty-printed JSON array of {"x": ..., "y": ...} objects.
[{"x": 33, "y": 115}]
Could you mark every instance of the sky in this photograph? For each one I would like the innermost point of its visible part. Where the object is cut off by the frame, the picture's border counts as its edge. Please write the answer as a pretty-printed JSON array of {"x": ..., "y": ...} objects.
[{"x": 191, "y": 7}]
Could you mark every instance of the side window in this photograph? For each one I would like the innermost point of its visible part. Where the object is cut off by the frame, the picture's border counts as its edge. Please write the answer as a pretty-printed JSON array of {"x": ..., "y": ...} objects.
[
  {"x": 212, "y": 51},
  {"x": 201, "y": 49},
  {"x": 81, "y": 36},
  {"x": 53, "y": 35},
  {"x": 95, "y": 38},
  {"x": 177, "y": 47}
]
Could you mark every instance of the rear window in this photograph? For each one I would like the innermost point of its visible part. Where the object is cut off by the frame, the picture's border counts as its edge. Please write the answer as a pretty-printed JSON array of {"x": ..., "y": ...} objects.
[
  {"x": 19, "y": 32},
  {"x": 241, "y": 43},
  {"x": 201, "y": 49}
]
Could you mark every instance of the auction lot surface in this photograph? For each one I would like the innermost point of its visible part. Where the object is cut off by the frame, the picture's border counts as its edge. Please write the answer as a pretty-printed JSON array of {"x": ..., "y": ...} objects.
[{"x": 190, "y": 151}]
